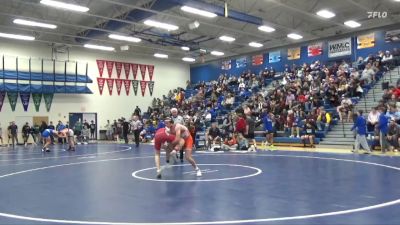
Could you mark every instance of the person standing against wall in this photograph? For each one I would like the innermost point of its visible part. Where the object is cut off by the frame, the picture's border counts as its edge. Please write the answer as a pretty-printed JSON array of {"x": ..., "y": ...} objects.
[
  {"x": 13, "y": 132},
  {"x": 137, "y": 111},
  {"x": 136, "y": 126},
  {"x": 92, "y": 130},
  {"x": 109, "y": 130},
  {"x": 26, "y": 130},
  {"x": 126, "y": 128}
]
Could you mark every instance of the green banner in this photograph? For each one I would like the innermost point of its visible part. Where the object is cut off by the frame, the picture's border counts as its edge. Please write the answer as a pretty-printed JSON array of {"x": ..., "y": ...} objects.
[
  {"x": 37, "y": 99},
  {"x": 48, "y": 99},
  {"x": 12, "y": 98}
]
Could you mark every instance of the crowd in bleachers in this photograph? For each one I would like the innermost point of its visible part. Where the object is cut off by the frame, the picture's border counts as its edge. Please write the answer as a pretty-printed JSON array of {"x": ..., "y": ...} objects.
[{"x": 300, "y": 103}]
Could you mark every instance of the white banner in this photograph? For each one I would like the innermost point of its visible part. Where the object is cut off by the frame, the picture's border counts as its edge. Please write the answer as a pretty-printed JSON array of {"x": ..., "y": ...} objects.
[{"x": 339, "y": 47}]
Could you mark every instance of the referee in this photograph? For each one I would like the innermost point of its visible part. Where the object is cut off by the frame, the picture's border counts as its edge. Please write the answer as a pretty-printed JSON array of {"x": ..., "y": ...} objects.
[{"x": 136, "y": 127}]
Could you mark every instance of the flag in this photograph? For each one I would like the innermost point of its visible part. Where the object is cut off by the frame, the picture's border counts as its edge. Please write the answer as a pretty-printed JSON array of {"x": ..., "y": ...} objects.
[
  {"x": 100, "y": 66},
  {"x": 143, "y": 85},
  {"x": 48, "y": 99},
  {"x": 37, "y": 99},
  {"x": 2, "y": 97},
  {"x": 226, "y": 65},
  {"x": 241, "y": 62},
  {"x": 143, "y": 71},
  {"x": 151, "y": 87},
  {"x": 257, "y": 60},
  {"x": 110, "y": 85},
  {"x": 118, "y": 84},
  {"x": 314, "y": 49},
  {"x": 127, "y": 69},
  {"x": 12, "y": 98},
  {"x": 293, "y": 53},
  {"x": 100, "y": 83},
  {"x": 134, "y": 70},
  {"x": 25, "y": 100},
  {"x": 274, "y": 57},
  {"x": 150, "y": 68},
  {"x": 118, "y": 67},
  {"x": 127, "y": 84},
  {"x": 110, "y": 66},
  {"x": 135, "y": 85}
]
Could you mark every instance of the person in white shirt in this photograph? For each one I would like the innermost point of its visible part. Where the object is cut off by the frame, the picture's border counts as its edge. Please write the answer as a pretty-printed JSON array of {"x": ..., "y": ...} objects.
[
  {"x": 373, "y": 118},
  {"x": 175, "y": 117},
  {"x": 136, "y": 126}
]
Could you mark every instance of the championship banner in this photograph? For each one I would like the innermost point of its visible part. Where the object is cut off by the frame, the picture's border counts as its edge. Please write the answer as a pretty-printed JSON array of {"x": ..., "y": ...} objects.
[
  {"x": 110, "y": 85},
  {"x": 257, "y": 60},
  {"x": 274, "y": 57},
  {"x": 25, "y": 100},
  {"x": 100, "y": 66},
  {"x": 366, "y": 41},
  {"x": 151, "y": 87},
  {"x": 143, "y": 71},
  {"x": 37, "y": 99},
  {"x": 241, "y": 62},
  {"x": 135, "y": 85},
  {"x": 118, "y": 84},
  {"x": 314, "y": 49},
  {"x": 12, "y": 98},
  {"x": 150, "y": 68},
  {"x": 293, "y": 53},
  {"x": 143, "y": 85},
  {"x": 392, "y": 36},
  {"x": 100, "y": 83},
  {"x": 226, "y": 65},
  {"x": 118, "y": 67},
  {"x": 2, "y": 97},
  {"x": 339, "y": 47},
  {"x": 48, "y": 99},
  {"x": 127, "y": 84},
  {"x": 127, "y": 69},
  {"x": 134, "y": 70},
  {"x": 110, "y": 66}
]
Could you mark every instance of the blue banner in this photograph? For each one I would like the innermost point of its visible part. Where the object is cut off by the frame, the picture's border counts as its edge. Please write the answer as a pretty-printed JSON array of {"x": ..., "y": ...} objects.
[
  {"x": 274, "y": 57},
  {"x": 241, "y": 62}
]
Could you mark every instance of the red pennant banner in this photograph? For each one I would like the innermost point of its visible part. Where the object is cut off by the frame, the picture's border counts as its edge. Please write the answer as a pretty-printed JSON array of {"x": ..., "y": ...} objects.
[
  {"x": 110, "y": 66},
  {"x": 100, "y": 83},
  {"x": 127, "y": 84},
  {"x": 118, "y": 84},
  {"x": 100, "y": 66},
  {"x": 143, "y": 85},
  {"x": 110, "y": 84},
  {"x": 150, "y": 68},
  {"x": 143, "y": 71},
  {"x": 134, "y": 70},
  {"x": 118, "y": 67},
  {"x": 127, "y": 69}
]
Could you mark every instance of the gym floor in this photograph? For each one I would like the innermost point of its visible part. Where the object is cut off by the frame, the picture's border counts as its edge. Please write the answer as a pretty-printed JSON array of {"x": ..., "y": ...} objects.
[{"x": 115, "y": 184}]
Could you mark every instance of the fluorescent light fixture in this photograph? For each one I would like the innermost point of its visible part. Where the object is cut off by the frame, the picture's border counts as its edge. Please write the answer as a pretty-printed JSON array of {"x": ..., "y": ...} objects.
[
  {"x": 34, "y": 24},
  {"x": 185, "y": 48},
  {"x": 294, "y": 36},
  {"x": 64, "y": 5},
  {"x": 188, "y": 59},
  {"x": 217, "y": 53},
  {"x": 203, "y": 50},
  {"x": 227, "y": 38},
  {"x": 159, "y": 55},
  {"x": 124, "y": 38},
  {"x": 266, "y": 29},
  {"x": 326, "y": 13},
  {"x": 352, "y": 24},
  {"x": 99, "y": 47},
  {"x": 255, "y": 44},
  {"x": 17, "y": 36},
  {"x": 198, "y": 11},
  {"x": 165, "y": 26}
]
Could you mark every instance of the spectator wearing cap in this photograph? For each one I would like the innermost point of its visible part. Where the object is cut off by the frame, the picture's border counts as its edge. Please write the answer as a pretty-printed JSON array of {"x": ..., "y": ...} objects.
[{"x": 360, "y": 124}]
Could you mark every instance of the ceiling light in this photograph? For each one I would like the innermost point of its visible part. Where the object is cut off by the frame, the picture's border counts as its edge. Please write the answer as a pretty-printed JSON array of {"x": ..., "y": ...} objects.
[
  {"x": 217, "y": 53},
  {"x": 227, "y": 38},
  {"x": 352, "y": 24},
  {"x": 165, "y": 26},
  {"x": 188, "y": 59},
  {"x": 266, "y": 28},
  {"x": 159, "y": 55},
  {"x": 203, "y": 50},
  {"x": 326, "y": 14},
  {"x": 17, "y": 36},
  {"x": 34, "y": 24},
  {"x": 294, "y": 36},
  {"x": 255, "y": 44},
  {"x": 64, "y": 5},
  {"x": 185, "y": 48},
  {"x": 124, "y": 38},
  {"x": 99, "y": 47},
  {"x": 198, "y": 11}
]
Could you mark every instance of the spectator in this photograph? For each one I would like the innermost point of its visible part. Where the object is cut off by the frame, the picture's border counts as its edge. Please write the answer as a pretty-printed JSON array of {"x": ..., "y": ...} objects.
[
  {"x": 323, "y": 120},
  {"x": 26, "y": 130},
  {"x": 360, "y": 125},
  {"x": 137, "y": 111},
  {"x": 308, "y": 133},
  {"x": 213, "y": 135},
  {"x": 268, "y": 128},
  {"x": 175, "y": 117},
  {"x": 345, "y": 108},
  {"x": 230, "y": 143},
  {"x": 373, "y": 118},
  {"x": 240, "y": 123},
  {"x": 109, "y": 130},
  {"x": 393, "y": 135},
  {"x": 243, "y": 144},
  {"x": 93, "y": 129},
  {"x": 126, "y": 129},
  {"x": 13, "y": 133},
  {"x": 383, "y": 129}
]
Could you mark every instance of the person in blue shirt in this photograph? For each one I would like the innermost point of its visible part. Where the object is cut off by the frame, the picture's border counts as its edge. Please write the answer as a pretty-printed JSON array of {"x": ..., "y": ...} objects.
[
  {"x": 46, "y": 134},
  {"x": 361, "y": 125},
  {"x": 161, "y": 124},
  {"x": 383, "y": 129},
  {"x": 268, "y": 128}
]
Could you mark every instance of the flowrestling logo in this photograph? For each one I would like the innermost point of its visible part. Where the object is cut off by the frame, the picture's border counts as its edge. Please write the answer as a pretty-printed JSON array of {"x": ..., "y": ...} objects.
[{"x": 339, "y": 47}]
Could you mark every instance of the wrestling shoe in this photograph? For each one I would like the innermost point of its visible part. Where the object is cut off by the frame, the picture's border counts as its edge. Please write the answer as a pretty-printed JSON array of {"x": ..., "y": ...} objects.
[{"x": 198, "y": 173}]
